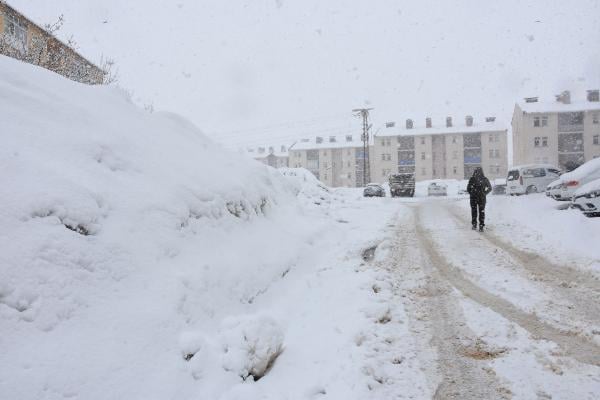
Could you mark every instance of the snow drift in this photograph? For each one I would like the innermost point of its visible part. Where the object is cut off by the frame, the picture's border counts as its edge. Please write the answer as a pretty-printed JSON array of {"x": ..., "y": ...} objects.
[{"x": 122, "y": 233}]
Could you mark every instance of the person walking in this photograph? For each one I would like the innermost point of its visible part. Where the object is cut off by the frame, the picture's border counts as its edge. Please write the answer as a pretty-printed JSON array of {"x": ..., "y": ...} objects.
[{"x": 478, "y": 188}]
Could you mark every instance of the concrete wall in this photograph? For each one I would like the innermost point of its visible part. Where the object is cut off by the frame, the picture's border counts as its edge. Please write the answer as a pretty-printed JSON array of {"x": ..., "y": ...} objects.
[
  {"x": 591, "y": 150},
  {"x": 494, "y": 154},
  {"x": 454, "y": 157},
  {"x": 524, "y": 134}
]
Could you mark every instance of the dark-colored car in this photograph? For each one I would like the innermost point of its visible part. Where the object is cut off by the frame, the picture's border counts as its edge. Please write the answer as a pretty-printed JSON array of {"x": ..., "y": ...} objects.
[
  {"x": 374, "y": 190},
  {"x": 402, "y": 184}
]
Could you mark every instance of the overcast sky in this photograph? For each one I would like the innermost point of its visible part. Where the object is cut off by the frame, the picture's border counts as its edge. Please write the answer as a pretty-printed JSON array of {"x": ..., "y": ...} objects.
[{"x": 299, "y": 67}]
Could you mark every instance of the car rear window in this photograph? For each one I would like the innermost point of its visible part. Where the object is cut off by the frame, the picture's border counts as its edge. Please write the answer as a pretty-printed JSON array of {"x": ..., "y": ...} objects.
[{"x": 513, "y": 175}]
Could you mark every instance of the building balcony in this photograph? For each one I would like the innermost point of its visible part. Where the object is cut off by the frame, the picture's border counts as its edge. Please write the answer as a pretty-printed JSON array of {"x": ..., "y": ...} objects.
[{"x": 406, "y": 162}]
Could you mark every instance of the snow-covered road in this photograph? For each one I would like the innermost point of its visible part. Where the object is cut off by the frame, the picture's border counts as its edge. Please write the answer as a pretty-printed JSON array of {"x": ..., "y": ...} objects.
[{"x": 490, "y": 320}]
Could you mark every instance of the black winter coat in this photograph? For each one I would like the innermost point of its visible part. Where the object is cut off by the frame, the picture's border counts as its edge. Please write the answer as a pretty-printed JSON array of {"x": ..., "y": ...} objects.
[{"x": 479, "y": 186}]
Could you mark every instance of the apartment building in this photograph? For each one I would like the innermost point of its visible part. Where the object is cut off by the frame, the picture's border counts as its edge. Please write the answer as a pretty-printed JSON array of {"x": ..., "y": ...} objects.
[
  {"x": 560, "y": 132},
  {"x": 24, "y": 40},
  {"x": 273, "y": 156},
  {"x": 337, "y": 161},
  {"x": 448, "y": 151}
]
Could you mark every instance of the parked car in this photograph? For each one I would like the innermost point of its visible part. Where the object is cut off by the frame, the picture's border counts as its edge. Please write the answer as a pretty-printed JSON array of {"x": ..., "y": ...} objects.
[
  {"x": 437, "y": 189},
  {"x": 553, "y": 190},
  {"x": 587, "y": 198},
  {"x": 499, "y": 186},
  {"x": 572, "y": 181},
  {"x": 374, "y": 190},
  {"x": 533, "y": 178},
  {"x": 402, "y": 184}
]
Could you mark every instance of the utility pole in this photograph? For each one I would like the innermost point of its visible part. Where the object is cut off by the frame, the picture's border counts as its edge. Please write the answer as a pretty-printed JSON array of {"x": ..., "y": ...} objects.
[{"x": 364, "y": 114}]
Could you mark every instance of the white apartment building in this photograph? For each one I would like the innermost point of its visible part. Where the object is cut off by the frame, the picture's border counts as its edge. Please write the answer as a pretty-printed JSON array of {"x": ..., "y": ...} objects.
[
  {"x": 274, "y": 156},
  {"x": 334, "y": 160},
  {"x": 560, "y": 132},
  {"x": 448, "y": 151}
]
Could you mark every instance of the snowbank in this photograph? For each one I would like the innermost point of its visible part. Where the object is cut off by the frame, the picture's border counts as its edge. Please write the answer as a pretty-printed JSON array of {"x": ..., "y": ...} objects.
[
  {"x": 140, "y": 261},
  {"x": 121, "y": 230}
]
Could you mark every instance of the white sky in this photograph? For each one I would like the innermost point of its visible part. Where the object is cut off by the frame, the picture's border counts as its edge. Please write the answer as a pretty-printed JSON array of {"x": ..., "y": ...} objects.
[{"x": 297, "y": 68}]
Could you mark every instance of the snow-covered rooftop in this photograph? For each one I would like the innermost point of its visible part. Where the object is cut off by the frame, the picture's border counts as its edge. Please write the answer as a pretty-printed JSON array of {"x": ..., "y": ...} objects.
[
  {"x": 264, "y": 151},
  {"x": 478, "y": 126},
  {"x": 328, "y": 142},
  {"x": 535, "y": 106}
]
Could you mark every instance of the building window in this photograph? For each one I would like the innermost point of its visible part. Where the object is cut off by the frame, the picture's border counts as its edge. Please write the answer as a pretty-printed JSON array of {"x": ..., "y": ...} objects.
[
  {"x": 596, "y": 139},
  {"x": 536, "y": 122},
  {"x": 491, "y": 153},
  {"x": 348, "y": 163},
  {"x": 536, "y": 141},
  {"x": 348, "y": 138},
  {"x": 496, "y": 153},
  {"x": 423, "y": 171},
  {"x": 325, "y": 164},
  {"x": 349, "y": 175},
  {"x": 325, "y": 176},
  {"x": 453, "y": 139},
  {"x": 544, "y": 141},
  {"x": 544, "y": 121},
  {"x": 595, "y": 118},
  {"x": 454, "y": 170},
  {"x": 455, "y": 155},
  {"x": 434, "y": 172},
  {"x": 422, "y": 156},
  {"x": 422, "y": 140}
]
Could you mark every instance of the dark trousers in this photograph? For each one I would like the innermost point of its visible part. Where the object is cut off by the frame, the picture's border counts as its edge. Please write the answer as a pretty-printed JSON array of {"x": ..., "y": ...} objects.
[{"x": 478, "y": 207}]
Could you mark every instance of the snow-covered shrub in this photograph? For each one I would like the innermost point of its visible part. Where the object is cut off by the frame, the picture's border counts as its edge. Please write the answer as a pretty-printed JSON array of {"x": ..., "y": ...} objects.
[{"x": 250, "y": 344}]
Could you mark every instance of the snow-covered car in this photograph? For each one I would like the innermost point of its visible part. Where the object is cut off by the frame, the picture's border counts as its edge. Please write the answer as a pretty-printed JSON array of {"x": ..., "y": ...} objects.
[
  {"x": 374, "y": 190},
  {"x": 437, "y": 189},
  {"x": 572, "y": 181},
  {"x": 499, "y": 186},
  {"x": 587, "y": 198},
  {"x": 532, "y": 178},
  {"x": 553, "y": 190}
]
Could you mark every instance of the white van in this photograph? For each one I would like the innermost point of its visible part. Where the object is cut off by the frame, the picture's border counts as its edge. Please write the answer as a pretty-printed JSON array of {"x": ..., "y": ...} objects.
[{"x": 532, "y": 178}]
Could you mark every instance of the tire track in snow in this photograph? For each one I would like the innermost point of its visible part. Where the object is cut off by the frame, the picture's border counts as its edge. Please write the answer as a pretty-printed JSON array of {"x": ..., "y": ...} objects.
[
  {"x": 540, "y": 266},
  {"x": 579, "y": 288},
  {"x": 575, "y": 346},
  {"x": 437, "y": 320}
]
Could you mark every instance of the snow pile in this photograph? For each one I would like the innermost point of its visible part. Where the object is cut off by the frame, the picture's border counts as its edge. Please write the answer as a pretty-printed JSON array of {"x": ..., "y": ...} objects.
[
  {"x": 308, "y": 188},
  {"x": 121, "y": 230}
]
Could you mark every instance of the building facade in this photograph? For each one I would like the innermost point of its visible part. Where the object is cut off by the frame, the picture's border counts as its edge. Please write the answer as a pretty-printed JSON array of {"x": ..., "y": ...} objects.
[
  {"x": 276, "y": 157},
  {"x": 441, "y": 152},
  {"x": 561, "y": 133},
  {"x": 22, "y": 39},
  {"x": 337, "y": 161}
]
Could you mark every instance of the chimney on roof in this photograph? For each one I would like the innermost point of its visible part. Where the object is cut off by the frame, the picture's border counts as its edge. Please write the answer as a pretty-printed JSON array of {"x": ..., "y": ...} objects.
[
  {"x": 593, "y": 95},
  {"x": 409, "y": 124},
  {"x": 531, "y": 99},
  {"x": 564, "y": 97},
  {"x": 490, "y": 119},
  {"x": 448, "y": 122},
  {"x": 469, "y": 120},
  {"x": 428, "y": 122}
]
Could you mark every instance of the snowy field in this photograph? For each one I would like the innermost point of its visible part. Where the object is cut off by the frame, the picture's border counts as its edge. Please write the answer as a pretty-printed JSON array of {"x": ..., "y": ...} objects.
[{"x": 138, "y": 260}]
